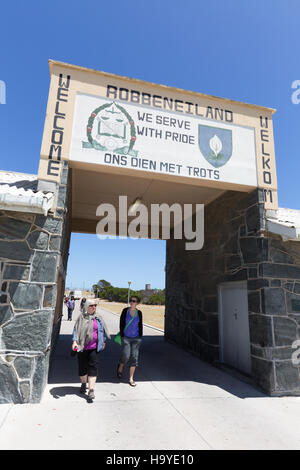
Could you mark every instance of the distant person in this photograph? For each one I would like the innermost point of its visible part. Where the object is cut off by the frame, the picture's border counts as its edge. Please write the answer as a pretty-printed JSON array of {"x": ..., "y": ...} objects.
[
  {"x": 89, "y": 337},
  {"x": 131, "y": 329},
  {"x": 83, "y": 301},
  {"x": 71, "y": 306}
]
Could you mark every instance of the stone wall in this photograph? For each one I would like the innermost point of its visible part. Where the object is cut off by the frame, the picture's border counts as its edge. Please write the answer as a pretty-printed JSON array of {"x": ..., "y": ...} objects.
[
  {"x": 236, "y": 247},
  {"x": 275, "y": 318},
  {"x": 33, "y": 253}
]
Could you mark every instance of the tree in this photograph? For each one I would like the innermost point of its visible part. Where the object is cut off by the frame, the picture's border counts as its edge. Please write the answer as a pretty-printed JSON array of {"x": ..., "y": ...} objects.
[
  {"x": 105, "y": 290},
  {"x": 103, "y": 283},
  {"x": 100, "y": 287},
  {"x": 158, "y": 298}
]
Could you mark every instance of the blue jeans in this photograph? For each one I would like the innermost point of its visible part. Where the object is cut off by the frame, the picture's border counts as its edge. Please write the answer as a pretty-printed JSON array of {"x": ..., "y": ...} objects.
[
  {"x": 130, "y": 350},
  {"x": 70, "y": 312}
]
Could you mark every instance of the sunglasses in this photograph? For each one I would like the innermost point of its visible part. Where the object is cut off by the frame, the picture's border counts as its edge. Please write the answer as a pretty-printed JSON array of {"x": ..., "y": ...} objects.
[
  {"x": 135, "y": 301},
  {"x": 93, "y": 305}
]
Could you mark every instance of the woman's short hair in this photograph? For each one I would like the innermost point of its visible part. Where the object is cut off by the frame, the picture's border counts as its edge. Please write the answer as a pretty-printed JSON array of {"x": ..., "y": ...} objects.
[
  {"x": 87, "y": 303},
  {"x": 135, "y": 297}
]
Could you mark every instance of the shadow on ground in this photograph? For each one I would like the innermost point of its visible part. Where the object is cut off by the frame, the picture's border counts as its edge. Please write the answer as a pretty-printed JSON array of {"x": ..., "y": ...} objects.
[{"x": 159, "y": 361}]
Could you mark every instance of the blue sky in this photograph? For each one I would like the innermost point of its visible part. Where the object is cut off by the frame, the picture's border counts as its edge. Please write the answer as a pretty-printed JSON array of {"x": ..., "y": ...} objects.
[{"x": 247, "y": 51}]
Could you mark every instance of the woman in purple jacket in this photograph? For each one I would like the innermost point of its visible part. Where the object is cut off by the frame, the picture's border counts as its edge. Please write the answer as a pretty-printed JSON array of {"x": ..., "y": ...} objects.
[{"x": 71, "y": 306}]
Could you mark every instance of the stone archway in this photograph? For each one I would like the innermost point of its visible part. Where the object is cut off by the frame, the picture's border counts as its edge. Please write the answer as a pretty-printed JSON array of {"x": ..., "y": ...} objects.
[{"x": 83, "y": 164}]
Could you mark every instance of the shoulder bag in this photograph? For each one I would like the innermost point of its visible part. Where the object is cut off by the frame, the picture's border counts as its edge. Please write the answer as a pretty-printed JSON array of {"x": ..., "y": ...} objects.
[{"x": 118, "y": 338}]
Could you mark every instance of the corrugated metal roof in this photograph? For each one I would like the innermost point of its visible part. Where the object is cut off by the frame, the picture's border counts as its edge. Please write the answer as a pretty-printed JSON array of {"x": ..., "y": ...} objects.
[
  {"x": 18, "y": 180},
  {"x": 288, "y": 217},
  {"x": 18, "y": 191},
  {"x": 285, "y": 222}
]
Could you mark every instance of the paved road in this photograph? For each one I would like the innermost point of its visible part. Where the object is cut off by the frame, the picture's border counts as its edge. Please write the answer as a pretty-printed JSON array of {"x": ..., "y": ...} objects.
[{"x": 180, "y": 402}]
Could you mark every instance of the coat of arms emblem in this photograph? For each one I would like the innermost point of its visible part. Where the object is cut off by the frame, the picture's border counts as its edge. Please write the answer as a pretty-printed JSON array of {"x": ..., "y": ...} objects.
[
  {"x": 215, "y": 144},
  {"x": 110, "y": 128}
]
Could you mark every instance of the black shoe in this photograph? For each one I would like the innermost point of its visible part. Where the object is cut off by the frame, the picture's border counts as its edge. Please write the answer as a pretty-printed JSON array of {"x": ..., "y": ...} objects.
[
  {"x": 119, "y": 374},
  {"x": 82, "y": 388},
  {"x": 91, "y": 394}
]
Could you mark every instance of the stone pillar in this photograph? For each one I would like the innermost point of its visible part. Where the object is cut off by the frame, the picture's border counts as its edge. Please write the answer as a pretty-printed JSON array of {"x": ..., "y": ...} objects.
[
  {"x": 275, "y": 322},
  {"x": 33, "y": 255},
  {"x": 237, "y": 247}
]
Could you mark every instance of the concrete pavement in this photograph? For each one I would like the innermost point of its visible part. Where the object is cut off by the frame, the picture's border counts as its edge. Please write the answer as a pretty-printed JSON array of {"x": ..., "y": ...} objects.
[{"x": 180, "y": 402}]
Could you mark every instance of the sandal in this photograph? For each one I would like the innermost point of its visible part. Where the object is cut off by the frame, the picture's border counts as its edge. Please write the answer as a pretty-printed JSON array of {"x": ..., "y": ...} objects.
[{"x": 132, "y": 384}]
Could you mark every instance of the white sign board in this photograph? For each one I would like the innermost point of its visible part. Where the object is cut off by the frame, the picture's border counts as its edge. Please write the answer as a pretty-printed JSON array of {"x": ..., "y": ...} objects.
[{"x": 110, "y": 132}]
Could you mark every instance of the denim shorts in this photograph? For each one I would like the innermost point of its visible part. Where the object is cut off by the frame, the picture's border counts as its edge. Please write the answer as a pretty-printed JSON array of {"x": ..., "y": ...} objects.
[{"x": 130, "y": 350}]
